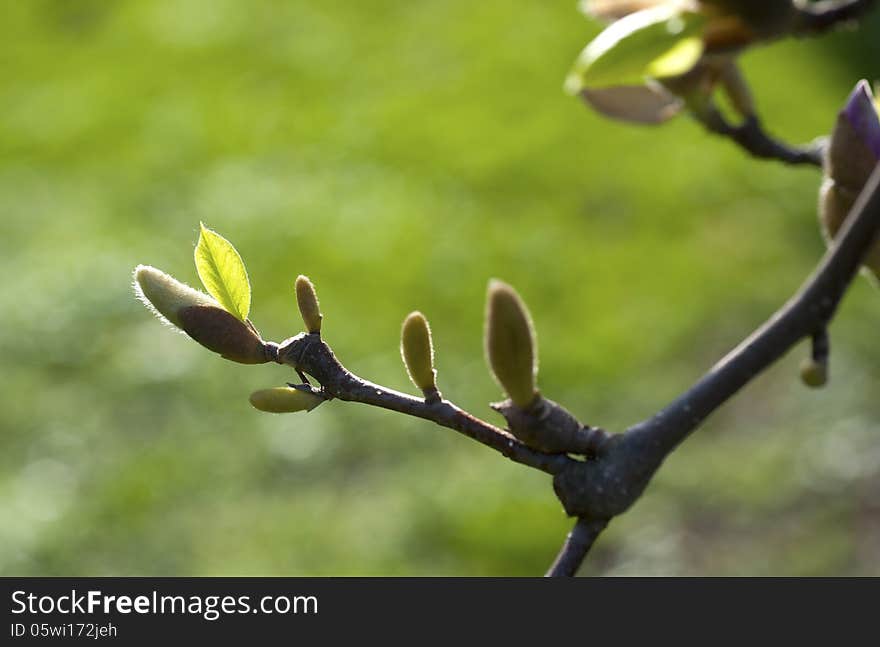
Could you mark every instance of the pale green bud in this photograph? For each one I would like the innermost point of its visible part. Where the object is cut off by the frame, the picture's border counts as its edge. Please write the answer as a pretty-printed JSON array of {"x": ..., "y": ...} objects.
[
  {"x": 285, "y": 399},
  {"x": 165, "y": 295},
  {"x": 510, "y": 344},
  {"x": 417, "y": 351},
  {"x": 307, "y": 300}
]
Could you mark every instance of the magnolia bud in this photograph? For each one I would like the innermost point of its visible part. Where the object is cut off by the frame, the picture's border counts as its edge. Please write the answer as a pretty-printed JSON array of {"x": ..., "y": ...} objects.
[
  {"x": 224, "y": 333},
  {"x": 199, "y": 316},
  {"x": 835, "y": 202},
  {"x": 417, "y": 352},
  {"x": 285, "y": 399},
  {"x": 642, "y": 104},
  {"x": 307, "y": 300},
  {"x": 853, "y": 153},
  {"x": 854, "y": 148},
  {"x": 165, "y": 295},
  {"x": 813, "y": 373},
  {"x": 510, "y": 344}
]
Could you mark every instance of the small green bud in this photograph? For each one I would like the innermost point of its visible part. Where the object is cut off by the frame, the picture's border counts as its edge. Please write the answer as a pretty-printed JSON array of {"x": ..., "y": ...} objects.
[
  {"x": 224, "y": 333},
  {"x": 814, "y": 374},
  {"x": 165, "y": 295},
  {"x": 285, "y": 399},
  {"x": 510, "y": 344},
  {"x": 417, "y": 352},
  {"x": 307, "y": 300}
]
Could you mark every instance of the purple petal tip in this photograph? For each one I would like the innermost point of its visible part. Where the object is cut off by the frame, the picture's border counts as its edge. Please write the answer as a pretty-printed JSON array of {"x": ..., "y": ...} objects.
[{"x": 861, "y": 113}]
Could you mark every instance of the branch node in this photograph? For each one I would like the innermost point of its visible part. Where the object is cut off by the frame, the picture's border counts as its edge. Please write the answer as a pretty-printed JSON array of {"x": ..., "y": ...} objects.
[
  {"x": 550, "y": 428},
  {"x": 432, "y": 395}
]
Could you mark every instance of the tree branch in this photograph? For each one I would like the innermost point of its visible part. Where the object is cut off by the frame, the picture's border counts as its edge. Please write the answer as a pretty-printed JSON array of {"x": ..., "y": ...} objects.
[
  {"x": 607, "y": 487},
  {"x": 311, "y": 354},
  {"x": 820, "y": 16},
  {"x": 804, "y": 315},
  {"x": 752, "y": 138},
  {"x": 607, "y": 484},
  {"x": 577, "y": 544}
]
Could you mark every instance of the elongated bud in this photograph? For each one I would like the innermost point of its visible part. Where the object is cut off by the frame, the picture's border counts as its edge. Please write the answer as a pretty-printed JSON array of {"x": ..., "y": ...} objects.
[
  {"x": 813, "y": 373},
  {"x": 224, "y": 333},
  {"x": 286, "y": 399},
  {"x": 510, "y": 344},
  {"x": 307, "y": 300},
  {"x": 854, "y": 149},
  {"x": 642, "y": 104},
  {"x": 417, "y": 351},
  {"x": 199, "y": 316},
  {"x": 853, "y": 152},
  {"x": 165, "y": 295}
]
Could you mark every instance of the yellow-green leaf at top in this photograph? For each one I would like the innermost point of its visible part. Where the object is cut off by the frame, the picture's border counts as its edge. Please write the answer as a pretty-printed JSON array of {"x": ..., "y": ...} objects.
[
  {"x": 223, "y": 273},
  {"x": 677, "y": 60},
  {"x": 652, "y": 43}
]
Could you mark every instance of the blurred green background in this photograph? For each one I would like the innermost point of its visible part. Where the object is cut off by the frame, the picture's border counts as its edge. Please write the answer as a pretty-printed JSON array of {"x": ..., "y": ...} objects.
[{"x": 401, "y": 154}]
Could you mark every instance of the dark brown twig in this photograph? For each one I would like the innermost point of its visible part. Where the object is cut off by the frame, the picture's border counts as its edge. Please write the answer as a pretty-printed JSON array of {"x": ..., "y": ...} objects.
[
  {"x": 577, "y": 545},
  {"x": 811, "y": 309},
  {"x": 310, "y": 354},
  {"x": 821, "y": 16},
  {"x": 752, "y": 138}
]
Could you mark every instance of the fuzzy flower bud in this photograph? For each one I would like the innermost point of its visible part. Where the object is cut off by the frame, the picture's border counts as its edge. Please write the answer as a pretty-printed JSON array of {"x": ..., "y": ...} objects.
[
  {"x": 417, "y": 351},
  {"x": 165, "y": 295},
  {"x": 286, "y": 399},
  {"x": 307, "y": 300},
  {"x": 853, "y": 153},
  {"x": 199, "y": 316},
  {"x": 510, "y": 344}
]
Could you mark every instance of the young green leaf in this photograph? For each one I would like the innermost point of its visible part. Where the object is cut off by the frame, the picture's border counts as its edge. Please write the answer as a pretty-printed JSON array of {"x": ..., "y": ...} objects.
[
  {"x": 657, "y": 42},
  {"x": 307, "y": 300},
  {"x": 223, "y": 273},
  {"x": 510, "y": 344},
  {"x": 417, "y": 351}
]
